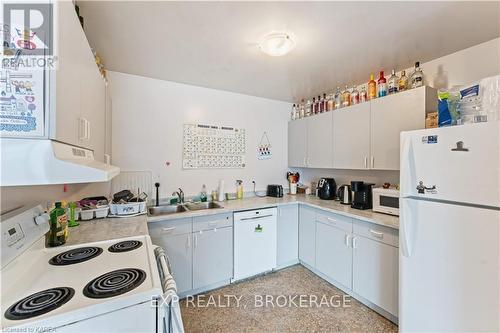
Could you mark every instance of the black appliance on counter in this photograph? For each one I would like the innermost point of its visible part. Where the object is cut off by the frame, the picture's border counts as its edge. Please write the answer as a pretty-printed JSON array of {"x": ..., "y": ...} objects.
[
  {"x": 275, "y": 191},
  {"x": 362, "y": 195},
  {"x": 327, "y": 188}
]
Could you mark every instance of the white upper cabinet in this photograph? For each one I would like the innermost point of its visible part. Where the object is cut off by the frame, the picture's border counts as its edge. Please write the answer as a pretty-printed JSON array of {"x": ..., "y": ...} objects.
[
  {"x": 390, "y": 116},
  {"x": 319, "y": 146},
  {"x": 77, "y": 90},
  {"x": 297, "y": 143},
  {"x": 361, "y": 136},
  {"x": 351, "y": 137}
]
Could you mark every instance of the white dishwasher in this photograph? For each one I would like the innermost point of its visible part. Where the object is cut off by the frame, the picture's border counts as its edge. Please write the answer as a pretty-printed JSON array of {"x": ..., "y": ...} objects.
[{"x": 254, "y": 242}]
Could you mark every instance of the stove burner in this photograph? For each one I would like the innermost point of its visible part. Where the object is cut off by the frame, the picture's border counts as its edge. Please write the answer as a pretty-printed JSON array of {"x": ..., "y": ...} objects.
[
  {"x": 39, "y": 303},
  {"x": 75, "y": 256},
  {"x": 125, "y": 246},
  {"x": 114, "y": 283}
]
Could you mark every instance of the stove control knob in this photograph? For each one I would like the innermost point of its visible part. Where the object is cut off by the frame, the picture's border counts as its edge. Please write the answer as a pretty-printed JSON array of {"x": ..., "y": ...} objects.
[{"x": 42, "y": 218}]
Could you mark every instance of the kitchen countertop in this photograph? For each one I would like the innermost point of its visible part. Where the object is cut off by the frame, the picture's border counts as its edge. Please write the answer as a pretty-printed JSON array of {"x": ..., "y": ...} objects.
[
  {"x": 263, "y": 202},
  {"x": 107, "y": 229}
]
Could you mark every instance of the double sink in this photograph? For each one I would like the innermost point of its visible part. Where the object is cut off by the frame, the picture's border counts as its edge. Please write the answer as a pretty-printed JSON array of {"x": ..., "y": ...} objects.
[{"x": 180, "y": 208}]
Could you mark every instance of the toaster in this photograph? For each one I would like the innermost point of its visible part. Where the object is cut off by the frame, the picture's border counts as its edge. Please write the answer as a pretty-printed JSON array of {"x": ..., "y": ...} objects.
[{"x": 275, "y": 191}]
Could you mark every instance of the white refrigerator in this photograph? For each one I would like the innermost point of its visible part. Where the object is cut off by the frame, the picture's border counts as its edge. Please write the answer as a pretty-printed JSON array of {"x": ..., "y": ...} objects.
[{"x": 449, "y": 260}]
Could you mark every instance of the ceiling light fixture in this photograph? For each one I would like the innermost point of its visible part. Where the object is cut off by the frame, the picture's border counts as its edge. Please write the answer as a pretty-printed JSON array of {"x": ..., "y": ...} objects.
[{"x": 277, "y": 44}]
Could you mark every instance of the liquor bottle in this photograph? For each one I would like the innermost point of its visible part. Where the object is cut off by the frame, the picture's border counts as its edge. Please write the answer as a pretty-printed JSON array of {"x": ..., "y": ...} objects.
[
  {"x": 292, "y": 116},
  {"x": 320, "y": 104},
  {"x": 58, "y": 226},
  {"x": 372, "y": 87},
  {"x": 354, "y": 96},
  {"x": 363, "y": 96},
  {"x": 403, "y": 82},
  {"x": 346, "y": 97},
  {"x": 302, "y": 108},
  {"x": 313, "y": 106},
  {"x": 338, "y": 98},
  {"x": 308, "y": 109},
  {"x": 330, "y": 104},
  {"x": 323, "y": 103},
  {"x": 417, "y": 77},
  {"x": 393, "y": 83},
  {"x": 382, "y": 85}
]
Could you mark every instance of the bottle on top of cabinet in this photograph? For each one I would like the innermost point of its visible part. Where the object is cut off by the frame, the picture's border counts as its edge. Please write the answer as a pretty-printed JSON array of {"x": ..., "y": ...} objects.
[
  {"x": 363, "y": 95},
  {"x": 314, "y": 106},
  {"x": 330, "y": 104},
  {"x": 293, "y": 115},
  {"x": 323, "y": 103},
  {"x": 338, "y": 98},
  {"x": 354, "y": 96},
  {"x": 302, "y": 109},
  {"x": 392, "y": 83},
  {"x": 346, "y": 97},
  {"x": 382, "y": 85},
  {"x": 403, "y": 82},
  {"x": 417, "y": 77},
  {"x": 372, "y": 87},
  {"x": 308, "y": 109}
]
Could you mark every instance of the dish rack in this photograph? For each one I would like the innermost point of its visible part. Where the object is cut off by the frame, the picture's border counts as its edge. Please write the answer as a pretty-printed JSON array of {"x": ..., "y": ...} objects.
[{"x": 127, "y": 209}]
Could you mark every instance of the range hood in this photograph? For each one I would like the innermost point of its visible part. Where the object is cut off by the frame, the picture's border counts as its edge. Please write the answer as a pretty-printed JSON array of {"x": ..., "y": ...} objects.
[{"x": 47, "y": 162}]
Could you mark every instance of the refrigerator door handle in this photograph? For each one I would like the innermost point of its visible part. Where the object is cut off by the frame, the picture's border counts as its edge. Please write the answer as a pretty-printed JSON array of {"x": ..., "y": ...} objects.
[{"x": 404, "y": 236}]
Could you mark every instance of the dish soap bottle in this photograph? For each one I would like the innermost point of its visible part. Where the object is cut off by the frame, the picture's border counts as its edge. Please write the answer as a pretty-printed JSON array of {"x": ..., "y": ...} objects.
[
  {"x": 239, "y": 189},
  {"x": 203, "y": 193},
  {"x": 58, "y": 226}
]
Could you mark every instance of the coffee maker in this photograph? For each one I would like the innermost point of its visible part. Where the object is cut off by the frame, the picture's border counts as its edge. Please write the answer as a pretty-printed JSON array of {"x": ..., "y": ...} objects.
[{"x": 362, "y": 195}]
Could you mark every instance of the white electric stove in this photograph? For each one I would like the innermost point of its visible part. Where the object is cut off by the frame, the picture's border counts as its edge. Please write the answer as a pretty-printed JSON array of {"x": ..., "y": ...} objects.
[{"x": 109, "y": 286}]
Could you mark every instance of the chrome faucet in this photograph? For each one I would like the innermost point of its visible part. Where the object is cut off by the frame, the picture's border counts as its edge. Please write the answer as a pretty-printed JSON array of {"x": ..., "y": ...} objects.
[{"x": 180, "y": 195}]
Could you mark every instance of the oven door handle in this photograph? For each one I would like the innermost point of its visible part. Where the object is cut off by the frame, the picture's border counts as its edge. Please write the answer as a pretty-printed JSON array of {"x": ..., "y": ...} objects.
[{"x": 164, "y": 268}]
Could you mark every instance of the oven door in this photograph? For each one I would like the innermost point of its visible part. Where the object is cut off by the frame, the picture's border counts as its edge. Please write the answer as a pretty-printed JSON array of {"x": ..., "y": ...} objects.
[{"x": 169, "y": 311}]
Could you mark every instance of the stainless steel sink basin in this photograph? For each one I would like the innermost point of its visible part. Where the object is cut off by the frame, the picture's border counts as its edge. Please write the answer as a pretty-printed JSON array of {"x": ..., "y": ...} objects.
[
  {"x": 166, "y": 209},
  {"x": 202, "y": 205}
]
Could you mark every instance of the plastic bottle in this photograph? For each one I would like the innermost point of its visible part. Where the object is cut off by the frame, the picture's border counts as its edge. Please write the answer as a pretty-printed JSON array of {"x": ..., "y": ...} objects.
[
  {"x": 58, "y": 226},
  {"x": 239, "y": 189},
  {"x": 382, "y": 85},
  {"x": 372, "y": 87},
  {"x": 203, "y": 193}
]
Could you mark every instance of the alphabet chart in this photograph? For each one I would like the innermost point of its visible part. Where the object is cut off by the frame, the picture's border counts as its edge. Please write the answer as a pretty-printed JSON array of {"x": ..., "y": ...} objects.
[{"x": 213, "y": 147}]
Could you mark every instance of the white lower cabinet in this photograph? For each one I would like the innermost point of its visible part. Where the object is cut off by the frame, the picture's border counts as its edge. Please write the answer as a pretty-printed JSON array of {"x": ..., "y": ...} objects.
[
  {"x": 375, "y": 273},
  {"x": 179, "y": 251},
  {"x": 307, "y": 235},
  {"x": 333, "y": 253},
  {"x": 212, "y": 257},
  {"x": 288, "y": 235}
]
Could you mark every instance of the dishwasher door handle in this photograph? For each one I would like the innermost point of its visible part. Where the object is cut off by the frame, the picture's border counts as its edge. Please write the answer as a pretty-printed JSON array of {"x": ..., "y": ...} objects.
[{"x": 256, "y": 217}]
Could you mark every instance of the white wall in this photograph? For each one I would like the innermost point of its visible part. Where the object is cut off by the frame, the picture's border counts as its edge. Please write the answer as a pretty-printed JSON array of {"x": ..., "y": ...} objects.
[{"x": 148, "y": 118}]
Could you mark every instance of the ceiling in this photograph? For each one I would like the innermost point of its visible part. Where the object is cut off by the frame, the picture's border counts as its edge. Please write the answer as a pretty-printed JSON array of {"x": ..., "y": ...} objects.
[{"x": 214, "y": 44}]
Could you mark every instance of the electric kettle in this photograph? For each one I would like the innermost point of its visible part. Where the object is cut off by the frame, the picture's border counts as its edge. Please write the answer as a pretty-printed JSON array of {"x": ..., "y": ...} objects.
[{"x": 344, "y": 194}]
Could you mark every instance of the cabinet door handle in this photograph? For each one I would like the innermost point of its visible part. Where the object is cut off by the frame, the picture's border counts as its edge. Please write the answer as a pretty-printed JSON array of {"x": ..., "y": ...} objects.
[
  {"x": 333, "y": 221},
  {"x": 305, "y": 161},
  {"x": 308, "y": 161},
  {"x": 377, "y": 234},
  {"x": 354, "y": 242},
  {"x": 167, "y": 230},
  {"x": 81, "y": 129},
  {"x": 188, "y": 240},
  {"x": 87, "y": 129},
  {"x": 373, "y": 162},
  {"x": 195, "y": 241},
  {"x": 347, "y": 240},
  {"x": 366, "y": 162}
]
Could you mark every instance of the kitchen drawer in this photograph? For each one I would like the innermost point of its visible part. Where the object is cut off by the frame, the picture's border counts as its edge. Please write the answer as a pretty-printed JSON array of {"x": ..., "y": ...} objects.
[
  {"x": 170, "y": 227},
  {"x": 377, "y": 232},
  {"x": 210, "y": 222},
  {"x": 336, "y": 220}
]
